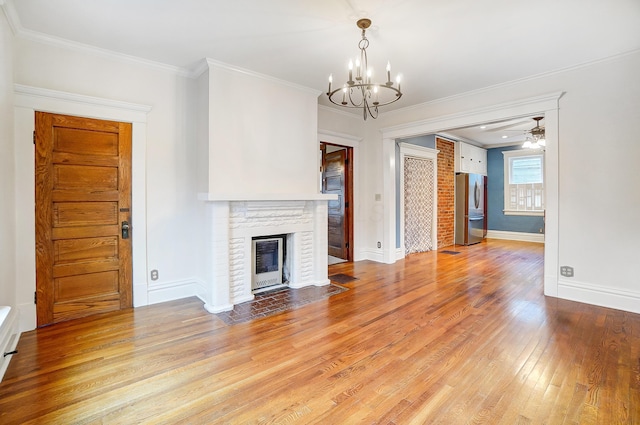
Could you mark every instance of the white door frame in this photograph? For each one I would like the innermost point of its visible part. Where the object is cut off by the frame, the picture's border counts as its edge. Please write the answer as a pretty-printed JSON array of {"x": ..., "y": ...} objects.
[
  {"x": 30, "y": 99},
  {"x": 354, "y": 143},
  {"x": 408, "y": 150}
]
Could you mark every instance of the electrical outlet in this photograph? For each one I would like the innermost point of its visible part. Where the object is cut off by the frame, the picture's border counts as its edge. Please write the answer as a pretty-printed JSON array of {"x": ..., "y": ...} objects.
[
  {"x": 379, "y": 244},
  {"x": 154, "y": 274},
  {"x": 566, "y": 271}
]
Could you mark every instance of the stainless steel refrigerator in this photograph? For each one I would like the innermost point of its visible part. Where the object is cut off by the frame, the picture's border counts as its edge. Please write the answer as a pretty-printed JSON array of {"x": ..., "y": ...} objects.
[{"x": 470, "y": 208}]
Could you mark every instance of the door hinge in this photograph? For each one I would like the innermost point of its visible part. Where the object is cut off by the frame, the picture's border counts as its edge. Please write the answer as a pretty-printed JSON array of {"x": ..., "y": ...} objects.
[
  {"x": 34, "y": 137},
  {"x": 346, "y": 161},
  {"x": 346, "y": 245},
  {"x": 346, "y": 205},
  {"x": 35, "y": 297}
]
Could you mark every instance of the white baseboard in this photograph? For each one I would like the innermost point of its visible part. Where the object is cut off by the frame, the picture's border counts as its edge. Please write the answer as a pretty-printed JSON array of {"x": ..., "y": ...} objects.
[
  {"x": 323, "y": 282},
  {"x": 599, "y": 295},
  {"x": 373, "y": 255},
  {"x": 140, "y": 294},
  {"x": 169, "y": 291},
  {"x": 27, "y": 317},
  {"x": 215, "y": 309},
  {"x": 515, "y": 236},
  {"x": 295, "y": 285},
  {"x": 400, "y": 253}
]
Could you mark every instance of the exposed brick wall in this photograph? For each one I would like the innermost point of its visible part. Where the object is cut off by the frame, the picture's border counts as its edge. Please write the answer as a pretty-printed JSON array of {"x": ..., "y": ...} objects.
[{"x": 446, "y": 179}]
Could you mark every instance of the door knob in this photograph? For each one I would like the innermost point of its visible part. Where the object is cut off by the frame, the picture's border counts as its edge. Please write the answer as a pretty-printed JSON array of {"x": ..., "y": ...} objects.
[{"x": 125, "y": 230}]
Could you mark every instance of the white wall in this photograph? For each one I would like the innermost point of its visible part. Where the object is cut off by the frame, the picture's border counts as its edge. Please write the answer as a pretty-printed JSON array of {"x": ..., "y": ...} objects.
[
  {"x": 262, "y": 135},
  {"x": 7, "y": 170}
]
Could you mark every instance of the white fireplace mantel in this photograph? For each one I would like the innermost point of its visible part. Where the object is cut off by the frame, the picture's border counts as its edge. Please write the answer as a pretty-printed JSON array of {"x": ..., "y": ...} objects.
[{"x": 232, "y": 222}]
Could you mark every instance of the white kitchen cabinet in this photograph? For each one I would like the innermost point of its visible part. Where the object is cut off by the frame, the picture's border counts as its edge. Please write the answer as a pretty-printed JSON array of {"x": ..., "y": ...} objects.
[{"x": 470, "y": 159}]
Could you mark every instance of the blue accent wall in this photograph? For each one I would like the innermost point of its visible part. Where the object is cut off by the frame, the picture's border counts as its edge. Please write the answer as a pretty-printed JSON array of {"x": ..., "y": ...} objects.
[
  {"x": 428, "y": 141},
  {"x": 496, "y": 220}
]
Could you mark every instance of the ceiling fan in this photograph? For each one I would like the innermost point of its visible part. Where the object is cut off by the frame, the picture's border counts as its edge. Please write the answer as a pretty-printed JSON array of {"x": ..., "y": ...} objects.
[{"x": 535, "y": 138}]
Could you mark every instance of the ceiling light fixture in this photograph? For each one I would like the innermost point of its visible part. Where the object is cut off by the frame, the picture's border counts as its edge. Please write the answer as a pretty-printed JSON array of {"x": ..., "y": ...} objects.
[
  {"x": 360, "y": 92},
  {"x": 537, "y": 139}
]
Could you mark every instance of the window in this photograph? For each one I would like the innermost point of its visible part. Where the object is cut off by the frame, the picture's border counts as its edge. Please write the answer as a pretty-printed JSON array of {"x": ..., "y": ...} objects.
[{"x": 523, "y": 182}]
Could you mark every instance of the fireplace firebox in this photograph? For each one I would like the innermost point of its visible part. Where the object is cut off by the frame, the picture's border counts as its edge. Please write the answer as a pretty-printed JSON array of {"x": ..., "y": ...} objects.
[{"x": 268, "y": 262}]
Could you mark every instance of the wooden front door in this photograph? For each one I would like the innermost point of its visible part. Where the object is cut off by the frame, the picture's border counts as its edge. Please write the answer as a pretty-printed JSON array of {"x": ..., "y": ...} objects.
[
  {"x": 335, "y": 167},
  {"x": 83, "y": 203}
]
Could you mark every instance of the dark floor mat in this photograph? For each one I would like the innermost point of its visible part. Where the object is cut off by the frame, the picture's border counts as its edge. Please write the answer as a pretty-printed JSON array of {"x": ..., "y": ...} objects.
[
  {"x": 342, "y": 278},
  {"x": 450, "y": 252}
]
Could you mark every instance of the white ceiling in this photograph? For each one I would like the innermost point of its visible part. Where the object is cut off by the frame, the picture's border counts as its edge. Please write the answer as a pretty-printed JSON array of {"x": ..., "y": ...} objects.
[
  {"x": 441, "y": 48},
  {"x": 502, "y": 133}
]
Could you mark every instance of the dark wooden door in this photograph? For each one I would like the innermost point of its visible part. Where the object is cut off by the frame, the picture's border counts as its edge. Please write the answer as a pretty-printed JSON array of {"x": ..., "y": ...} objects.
[
  {"x": 334, "y": 183},
  {"x": 83, "y": 198}
]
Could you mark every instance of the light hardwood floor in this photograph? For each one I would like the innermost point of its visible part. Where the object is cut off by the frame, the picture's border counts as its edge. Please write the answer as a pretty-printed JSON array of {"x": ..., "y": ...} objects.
[{"x": 432, "y": 339}]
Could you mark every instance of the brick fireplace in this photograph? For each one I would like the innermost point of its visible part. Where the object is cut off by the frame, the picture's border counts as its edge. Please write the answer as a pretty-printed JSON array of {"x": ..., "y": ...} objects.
[{"x": 232, "y": 224}]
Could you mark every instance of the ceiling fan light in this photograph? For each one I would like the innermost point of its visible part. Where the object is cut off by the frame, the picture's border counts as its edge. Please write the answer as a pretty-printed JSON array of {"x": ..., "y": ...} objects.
[
  {"x": 542, "y": 142},
  {"x": 526, "y": 144}
]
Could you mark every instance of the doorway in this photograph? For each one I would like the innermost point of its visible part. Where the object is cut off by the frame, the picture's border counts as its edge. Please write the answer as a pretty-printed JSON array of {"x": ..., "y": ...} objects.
[
  {"x": 83, "y": 216},
  {"x": 337, "y": 179},
  {"x": 419, "y": 212},
  {"x": 546, "y": 105}
]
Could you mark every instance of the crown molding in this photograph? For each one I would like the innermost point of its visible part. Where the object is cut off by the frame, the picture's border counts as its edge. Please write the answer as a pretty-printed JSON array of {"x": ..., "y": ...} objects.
[
  {"x": 510, "y": 83},
  {"x": 100, "y": 52},
  {"x": 212, "y": 63},
  {"x": 12, "y": 16},
  {"x": 35, "y": 36}
]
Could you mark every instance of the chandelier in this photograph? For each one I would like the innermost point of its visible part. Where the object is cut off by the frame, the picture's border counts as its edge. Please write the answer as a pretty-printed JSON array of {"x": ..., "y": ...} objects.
[
  {"x": 536, "y": 140},
  {"x": 359, "y": 91}
]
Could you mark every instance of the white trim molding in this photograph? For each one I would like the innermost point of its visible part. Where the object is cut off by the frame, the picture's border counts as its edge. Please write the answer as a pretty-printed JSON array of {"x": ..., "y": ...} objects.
[
  {"x": 515, "y": 236},
  {"x": 502, "y": 111},
  {"x": 39, "y": 37},
  {"x": 213, "y": 64},
  {"x": 603, "y": 296},
  {"x": 169, "y": 291}
]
